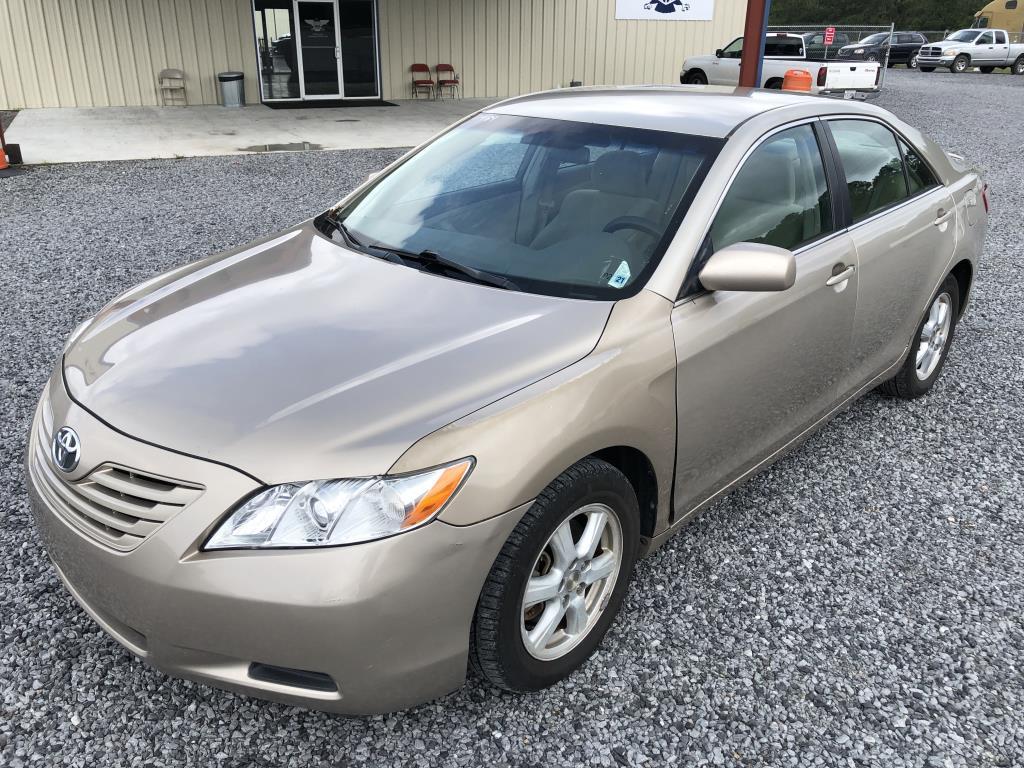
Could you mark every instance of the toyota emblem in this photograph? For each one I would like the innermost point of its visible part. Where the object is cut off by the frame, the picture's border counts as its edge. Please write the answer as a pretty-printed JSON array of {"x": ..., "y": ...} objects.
[{"x": 67, "y": 449}]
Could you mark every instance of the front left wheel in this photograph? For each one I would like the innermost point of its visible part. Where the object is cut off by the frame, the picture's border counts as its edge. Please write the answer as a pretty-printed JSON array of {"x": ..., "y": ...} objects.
[{"x": 559, "y": 581}]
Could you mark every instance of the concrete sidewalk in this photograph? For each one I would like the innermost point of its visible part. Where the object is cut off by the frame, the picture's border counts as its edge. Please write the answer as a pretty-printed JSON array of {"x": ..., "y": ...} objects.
[{"x": 72, "y": 135}]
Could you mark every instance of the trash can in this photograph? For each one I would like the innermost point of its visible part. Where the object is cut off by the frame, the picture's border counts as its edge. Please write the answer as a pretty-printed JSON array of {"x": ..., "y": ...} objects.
[{"x": 232, "y": 89}]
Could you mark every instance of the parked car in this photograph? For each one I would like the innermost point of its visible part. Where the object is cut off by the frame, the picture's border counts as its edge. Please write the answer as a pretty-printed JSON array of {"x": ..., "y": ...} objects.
[
  {"x": 782, "y": 52},
  {"x": 815, "y": 48},
  {"x": 440, "y": 422},
  {"x": 986, "y": 49},
  {"x": 902, "y": 49}
]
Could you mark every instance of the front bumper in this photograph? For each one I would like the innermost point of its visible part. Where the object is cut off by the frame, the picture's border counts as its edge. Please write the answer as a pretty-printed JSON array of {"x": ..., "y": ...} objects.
[
  {"x": 935, "y": 61},
  {"x": 382, "y": 626}
]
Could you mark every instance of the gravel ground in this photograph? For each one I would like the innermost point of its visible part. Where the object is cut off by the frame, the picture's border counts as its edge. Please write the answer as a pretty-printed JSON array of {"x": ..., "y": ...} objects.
[{"x": 858, "y": 604}]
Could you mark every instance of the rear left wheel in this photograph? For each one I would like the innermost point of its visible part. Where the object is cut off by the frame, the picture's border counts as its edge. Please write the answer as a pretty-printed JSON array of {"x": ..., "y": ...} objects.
[
  {"x": 1018, "y": 66},
  {"x": 912, "y": 64},
  {"x": 559, "y": 581},
  {"x": 694, "y": 77},
  {"x": 928, "y": 354}
]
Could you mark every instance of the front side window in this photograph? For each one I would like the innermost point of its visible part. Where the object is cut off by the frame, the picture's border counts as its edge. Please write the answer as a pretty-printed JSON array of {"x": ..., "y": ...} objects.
[
  {"x": 985, "y": 39},
  {"x": 871, "y": 161},
  {"x": 556, "y": 207},
  {"x": 734, "y": 49},
  {"x": 779, "y": 197},
  {"x": 919, "y": 175}
]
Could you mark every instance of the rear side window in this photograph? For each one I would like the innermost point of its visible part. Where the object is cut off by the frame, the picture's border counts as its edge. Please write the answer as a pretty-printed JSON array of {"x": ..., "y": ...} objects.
[
  {"x": 871, "y": 161},
  {"x": 779, "y": 197},
  {"x": 781, "y": 47},
  {"x": 1000, "y": 37},
  {"x": 919, "y": 175}
]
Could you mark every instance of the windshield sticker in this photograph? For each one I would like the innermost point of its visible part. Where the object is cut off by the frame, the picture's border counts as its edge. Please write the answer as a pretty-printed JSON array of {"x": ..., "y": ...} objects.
[{"x": 621, "y": 276}]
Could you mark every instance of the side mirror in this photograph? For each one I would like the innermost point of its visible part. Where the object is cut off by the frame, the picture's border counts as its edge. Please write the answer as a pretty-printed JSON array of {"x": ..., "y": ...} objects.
[
  {"x": 749, "y": 267},
  {"x": 718, "y": 53}
]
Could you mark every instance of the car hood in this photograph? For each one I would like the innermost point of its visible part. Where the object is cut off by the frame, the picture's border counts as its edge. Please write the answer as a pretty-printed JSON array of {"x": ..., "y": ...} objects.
[{"x": 296, "y": 359}]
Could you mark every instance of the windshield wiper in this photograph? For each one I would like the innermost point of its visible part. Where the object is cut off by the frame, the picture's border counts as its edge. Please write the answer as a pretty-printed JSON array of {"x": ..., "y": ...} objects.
[
  {"x": 436, "y": 260},
  {"x": 330, "y": 218}
]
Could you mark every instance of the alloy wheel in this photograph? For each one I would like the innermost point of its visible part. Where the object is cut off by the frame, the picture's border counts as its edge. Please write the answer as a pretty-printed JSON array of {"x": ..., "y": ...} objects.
[
  {"x": 571, "y": 582},
  {"x": 912, "y": 64},
  {"x": 934, "y": 334}
]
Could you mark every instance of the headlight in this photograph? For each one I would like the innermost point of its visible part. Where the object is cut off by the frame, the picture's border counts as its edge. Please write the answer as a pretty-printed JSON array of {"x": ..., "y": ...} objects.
[
  {"x": 331, "y": 512},
  {"x": 950, "y": 51},
  {"x": 859, "y": 50}
]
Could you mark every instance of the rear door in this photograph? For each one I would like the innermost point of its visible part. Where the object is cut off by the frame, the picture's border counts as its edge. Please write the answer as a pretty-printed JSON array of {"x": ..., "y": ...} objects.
[
  {"x": 755, "y": 369},
  {"x": 1002, "y": 47},
  {"x": 904, "y": 230}
]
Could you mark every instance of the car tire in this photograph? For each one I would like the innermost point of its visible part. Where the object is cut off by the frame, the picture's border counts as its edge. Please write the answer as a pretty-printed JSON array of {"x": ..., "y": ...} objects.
[
  {"x": 912, "y": 62},
  {"x": 1018, "y": 66},
  {"x": 930, "y": 347},
  {"x": 987, "y": 70},
  {"x": 775, "y": 84},
  {"x": 501, "y": 650},
  {"x": 960, "y": 64},
  {"x": 694, "y": 77},
  {"x": 927, "y": 69}
]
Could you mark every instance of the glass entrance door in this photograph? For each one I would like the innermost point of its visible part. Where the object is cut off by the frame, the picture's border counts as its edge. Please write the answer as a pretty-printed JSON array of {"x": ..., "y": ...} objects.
[{"x": 319, "y": 48}]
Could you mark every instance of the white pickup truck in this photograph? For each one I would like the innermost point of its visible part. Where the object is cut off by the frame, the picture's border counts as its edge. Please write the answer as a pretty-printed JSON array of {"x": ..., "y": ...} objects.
[
  {"x": 986, "y": 49},
  {"x": 782, "y": 52}
]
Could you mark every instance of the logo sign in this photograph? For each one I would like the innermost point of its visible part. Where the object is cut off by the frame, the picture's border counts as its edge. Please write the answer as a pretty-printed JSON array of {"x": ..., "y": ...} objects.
[
  {"x": 66, "y": 449},
  {"x": 830, "y": 35},
  {"x": 665, "y": 10}
]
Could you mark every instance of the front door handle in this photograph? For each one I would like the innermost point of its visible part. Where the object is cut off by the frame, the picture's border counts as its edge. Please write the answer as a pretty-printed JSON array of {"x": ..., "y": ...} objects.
[
  {"x": 941, "y": 217},
  {"x": 845, "y": 273}
]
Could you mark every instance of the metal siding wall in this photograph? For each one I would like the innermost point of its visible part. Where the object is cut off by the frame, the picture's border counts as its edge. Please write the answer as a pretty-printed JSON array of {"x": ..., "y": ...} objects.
[
  {"x": 506, "y": 47},
  {"x": 98, "y": 53}
]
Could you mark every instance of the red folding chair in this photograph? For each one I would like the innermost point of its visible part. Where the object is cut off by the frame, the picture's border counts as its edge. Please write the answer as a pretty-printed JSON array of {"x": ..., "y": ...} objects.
[
  {"x": 421, "y": 80},
  {"x": 446, "y": 78}
]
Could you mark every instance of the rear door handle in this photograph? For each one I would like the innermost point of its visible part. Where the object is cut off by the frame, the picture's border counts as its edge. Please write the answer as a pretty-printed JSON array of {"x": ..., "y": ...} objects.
[
  {"x": 842, "y": 276},
  {"x": 942, "y": 216}
]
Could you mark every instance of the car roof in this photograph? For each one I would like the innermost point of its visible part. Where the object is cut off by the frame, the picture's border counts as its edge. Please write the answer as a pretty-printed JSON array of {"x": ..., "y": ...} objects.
[{"x": 711, "y": 111}]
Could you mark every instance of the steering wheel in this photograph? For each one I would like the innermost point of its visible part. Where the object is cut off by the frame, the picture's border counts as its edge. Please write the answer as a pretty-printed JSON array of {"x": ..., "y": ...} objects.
[{"x": 647, "y": 226}]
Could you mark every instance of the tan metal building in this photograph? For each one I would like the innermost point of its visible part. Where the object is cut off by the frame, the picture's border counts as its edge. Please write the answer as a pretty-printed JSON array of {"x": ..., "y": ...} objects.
[{"x": 88, "y": 53}]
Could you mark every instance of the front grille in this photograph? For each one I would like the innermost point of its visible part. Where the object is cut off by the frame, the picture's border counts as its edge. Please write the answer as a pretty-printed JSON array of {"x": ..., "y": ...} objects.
[
  {"x": 930, "y": 52},
  {"x": 115, "y": 505}
]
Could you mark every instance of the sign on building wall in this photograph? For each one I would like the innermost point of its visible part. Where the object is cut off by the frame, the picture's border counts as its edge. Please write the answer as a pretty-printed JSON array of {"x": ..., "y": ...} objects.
[{"x": 665, "y": 10}]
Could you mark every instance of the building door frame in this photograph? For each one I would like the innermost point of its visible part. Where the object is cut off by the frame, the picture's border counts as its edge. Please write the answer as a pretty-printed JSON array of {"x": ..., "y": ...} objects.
[{"x": 339, "y": 54}]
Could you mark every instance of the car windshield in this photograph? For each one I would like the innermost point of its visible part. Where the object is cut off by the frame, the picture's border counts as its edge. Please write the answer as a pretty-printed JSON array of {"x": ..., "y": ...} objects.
[
  {"x": 550, "y": 206},
  {"x": 964, "y": 35},
  {"x": 875, "y": 39}
]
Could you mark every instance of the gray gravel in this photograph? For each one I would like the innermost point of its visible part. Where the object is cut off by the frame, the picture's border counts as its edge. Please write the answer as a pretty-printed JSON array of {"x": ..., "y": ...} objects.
[{"x": 858, "y": 604}]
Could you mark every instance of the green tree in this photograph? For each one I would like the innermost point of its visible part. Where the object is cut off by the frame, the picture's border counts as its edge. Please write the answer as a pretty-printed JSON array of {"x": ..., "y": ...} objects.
[{"x": 905, "y": 14}]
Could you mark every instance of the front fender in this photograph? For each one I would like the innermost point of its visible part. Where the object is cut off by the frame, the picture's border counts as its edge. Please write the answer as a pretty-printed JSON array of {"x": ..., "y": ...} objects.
[{"x": 622, "y": 394}]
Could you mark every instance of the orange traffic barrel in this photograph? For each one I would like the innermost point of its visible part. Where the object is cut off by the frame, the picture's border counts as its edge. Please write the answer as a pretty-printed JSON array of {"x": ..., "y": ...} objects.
[{"x": 796, "y": 80}]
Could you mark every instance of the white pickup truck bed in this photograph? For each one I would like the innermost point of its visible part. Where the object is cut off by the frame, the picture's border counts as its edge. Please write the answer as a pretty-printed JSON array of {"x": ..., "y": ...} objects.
[{"x": 782, "y": 53}]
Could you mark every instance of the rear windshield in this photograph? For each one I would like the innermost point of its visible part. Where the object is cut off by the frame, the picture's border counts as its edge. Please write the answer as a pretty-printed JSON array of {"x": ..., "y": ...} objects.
[{"x": 558, "y": 207}]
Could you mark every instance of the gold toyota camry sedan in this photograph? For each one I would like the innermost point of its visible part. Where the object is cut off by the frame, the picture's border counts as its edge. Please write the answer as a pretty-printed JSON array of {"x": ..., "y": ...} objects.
[{"x": 436, "y": 425}]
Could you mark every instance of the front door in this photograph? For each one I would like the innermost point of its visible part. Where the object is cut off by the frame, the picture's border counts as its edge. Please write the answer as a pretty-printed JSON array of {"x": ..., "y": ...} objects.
[
  {"x": 319, "y": 49},
  {"x": 756, "y": 369}
]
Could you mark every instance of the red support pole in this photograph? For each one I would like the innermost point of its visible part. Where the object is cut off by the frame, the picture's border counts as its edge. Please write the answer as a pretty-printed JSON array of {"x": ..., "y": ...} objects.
[{"x": 753, "y": 43}]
